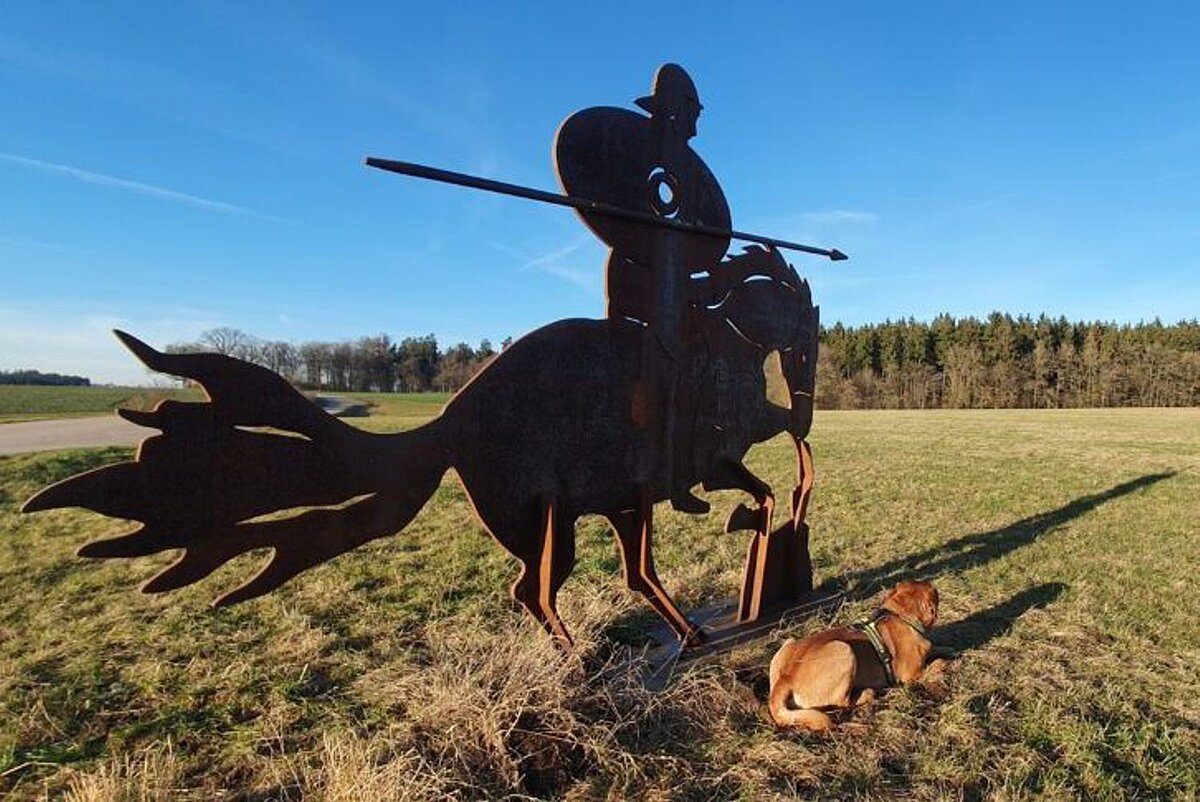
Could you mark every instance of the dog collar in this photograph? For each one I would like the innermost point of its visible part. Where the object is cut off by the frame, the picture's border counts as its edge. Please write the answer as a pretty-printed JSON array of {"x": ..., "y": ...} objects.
[{"x": 916, "y": 625}]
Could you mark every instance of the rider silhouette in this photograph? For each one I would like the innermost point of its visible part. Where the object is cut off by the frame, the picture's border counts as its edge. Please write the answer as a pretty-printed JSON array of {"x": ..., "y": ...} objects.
[{"x": 628, "y": 160}]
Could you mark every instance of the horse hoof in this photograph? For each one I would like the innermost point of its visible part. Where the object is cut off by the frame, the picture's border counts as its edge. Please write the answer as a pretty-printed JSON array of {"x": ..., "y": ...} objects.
[
  {"x": 688, "y": 503},
  {"x": 742, "y": 518}
]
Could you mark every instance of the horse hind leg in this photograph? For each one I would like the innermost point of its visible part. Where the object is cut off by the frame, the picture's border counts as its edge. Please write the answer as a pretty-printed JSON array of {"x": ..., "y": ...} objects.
[
  {"x": 546, "y": 561},
  {"x": 634, "y": 529}
]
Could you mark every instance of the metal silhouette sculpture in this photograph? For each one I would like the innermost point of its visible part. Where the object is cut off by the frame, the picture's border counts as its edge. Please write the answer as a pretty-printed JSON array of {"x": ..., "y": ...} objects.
[{"x": 579, "y": 417}]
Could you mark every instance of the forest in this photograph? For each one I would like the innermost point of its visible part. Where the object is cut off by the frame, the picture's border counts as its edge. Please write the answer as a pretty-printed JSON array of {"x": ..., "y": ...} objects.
[
  {"x": 996, "y": 362},
  {"x": 1006, "y": 362},
  {"x": 367, "y": 364},
  {"x": 36, "y": 377}
]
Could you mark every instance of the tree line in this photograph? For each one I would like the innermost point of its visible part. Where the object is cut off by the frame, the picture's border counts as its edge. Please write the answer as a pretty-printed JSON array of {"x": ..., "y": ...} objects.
[
  {"x": 368, "y": 364},
  {"x": 1006, "y": 362},
  {"x": 1000, "y": 361},
  {"x": 47, "y": 379}
]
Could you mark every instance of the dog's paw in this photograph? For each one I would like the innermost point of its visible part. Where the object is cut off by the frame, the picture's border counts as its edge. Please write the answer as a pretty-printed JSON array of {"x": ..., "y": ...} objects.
[
  {"x": 934, "y": 686},
  {"x": 937, "y": 669}
]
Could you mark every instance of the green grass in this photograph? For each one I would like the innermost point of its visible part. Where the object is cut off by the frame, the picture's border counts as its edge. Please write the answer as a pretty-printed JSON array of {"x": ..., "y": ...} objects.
[
  {"x": 388, "y": 411},
  {"x": 26, "y": 402},
  {"x": 1064, "y": 545},
  {"x": 398, "y": 411}
]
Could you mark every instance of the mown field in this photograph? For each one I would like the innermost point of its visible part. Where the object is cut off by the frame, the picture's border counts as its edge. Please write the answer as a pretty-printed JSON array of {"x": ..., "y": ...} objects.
[
  {"x": 389, "y": 411},
  {"x": 1064, "y": 545},
  {"x": 26, "y": 402},
  {"x": 393, "y": 412}
]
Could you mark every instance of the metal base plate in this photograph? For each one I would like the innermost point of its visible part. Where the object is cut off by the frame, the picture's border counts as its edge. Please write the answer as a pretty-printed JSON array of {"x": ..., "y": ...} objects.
[{"x": 723, "y": 633}]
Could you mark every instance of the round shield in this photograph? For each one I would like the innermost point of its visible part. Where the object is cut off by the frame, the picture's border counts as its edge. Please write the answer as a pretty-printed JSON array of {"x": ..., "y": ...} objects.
[{"x": 622, "y": 158}]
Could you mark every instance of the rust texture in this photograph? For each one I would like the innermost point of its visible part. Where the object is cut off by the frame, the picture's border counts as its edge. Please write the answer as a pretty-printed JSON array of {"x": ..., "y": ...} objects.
[{"x": 608, "y": 417}]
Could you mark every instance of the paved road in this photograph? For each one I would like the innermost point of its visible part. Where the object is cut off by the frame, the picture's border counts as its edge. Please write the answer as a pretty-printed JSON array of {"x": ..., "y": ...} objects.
[{"x": 43, "y": 435}]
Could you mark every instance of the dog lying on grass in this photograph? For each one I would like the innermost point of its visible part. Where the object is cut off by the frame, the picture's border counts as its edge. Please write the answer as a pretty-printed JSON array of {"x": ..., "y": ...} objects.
[{"x": 842, "y": 668}]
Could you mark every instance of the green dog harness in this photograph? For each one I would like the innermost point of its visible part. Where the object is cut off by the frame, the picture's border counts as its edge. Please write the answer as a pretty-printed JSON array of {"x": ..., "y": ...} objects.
[{"x": 869, "y": 626}]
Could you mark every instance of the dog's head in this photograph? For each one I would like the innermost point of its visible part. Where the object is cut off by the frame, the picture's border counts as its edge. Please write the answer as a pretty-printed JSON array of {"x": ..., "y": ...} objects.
[{"x": 917, "y": 600}]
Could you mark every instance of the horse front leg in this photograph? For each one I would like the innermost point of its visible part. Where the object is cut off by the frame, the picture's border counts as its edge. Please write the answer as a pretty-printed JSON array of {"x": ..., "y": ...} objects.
[
  {"x": 734, "y": 475},
  {"x": 634, "y": 530}
]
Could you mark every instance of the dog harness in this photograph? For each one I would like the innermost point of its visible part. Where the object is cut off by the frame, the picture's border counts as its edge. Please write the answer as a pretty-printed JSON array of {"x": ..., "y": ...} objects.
[{"x": 869, "y": 626}]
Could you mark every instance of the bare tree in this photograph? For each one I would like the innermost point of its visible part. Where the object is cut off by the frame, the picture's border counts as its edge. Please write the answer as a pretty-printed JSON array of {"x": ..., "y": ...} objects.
[
  {"x": 281, "y": 357},
  {"x": 230, "y": 342},
  {"x": 964, "y": 371},
  {"x": 316, "y": 357}
]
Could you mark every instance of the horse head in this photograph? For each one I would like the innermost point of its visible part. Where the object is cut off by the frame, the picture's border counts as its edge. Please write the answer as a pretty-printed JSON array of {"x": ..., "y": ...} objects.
[{"x": 764, "y": 300}]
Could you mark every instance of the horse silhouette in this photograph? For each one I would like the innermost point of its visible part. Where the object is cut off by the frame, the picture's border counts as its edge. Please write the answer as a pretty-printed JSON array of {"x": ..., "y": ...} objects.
[{"x": 553, "y": 428}]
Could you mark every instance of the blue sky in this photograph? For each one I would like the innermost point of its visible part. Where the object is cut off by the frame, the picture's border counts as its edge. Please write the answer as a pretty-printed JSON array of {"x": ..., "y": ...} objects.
[{"x": 167, "y": 168}]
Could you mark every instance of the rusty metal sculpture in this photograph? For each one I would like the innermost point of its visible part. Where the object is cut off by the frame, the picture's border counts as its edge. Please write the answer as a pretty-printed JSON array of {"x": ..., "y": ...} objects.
[{"x": 579, "y": 417}]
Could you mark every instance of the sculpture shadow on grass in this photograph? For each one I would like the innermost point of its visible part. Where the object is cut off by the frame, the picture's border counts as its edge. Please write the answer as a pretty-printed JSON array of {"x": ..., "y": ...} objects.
[
  {"x": 972, "y": 551},
  {"x": 960, "y": 554},
  {"x": 981, "y": 627}
]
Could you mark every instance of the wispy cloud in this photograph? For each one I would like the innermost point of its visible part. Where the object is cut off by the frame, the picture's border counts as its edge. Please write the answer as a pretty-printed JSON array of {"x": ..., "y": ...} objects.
[
  {"x": 819, "y": 222},
  {"x": 354, "y": 75},
  {"x": 80, "y": 341},
  {"x": 551, "y": 263},
  {"x": 583, "y": 279},
  {"x": 844, "y": 229},
  {"x": 834, "y": 217},
  {"x": 37, "y": 245},
  {"x": 460, "y": 112},
  {"x": 551, "y": 257},
  {"x": 137, "y": 187}
]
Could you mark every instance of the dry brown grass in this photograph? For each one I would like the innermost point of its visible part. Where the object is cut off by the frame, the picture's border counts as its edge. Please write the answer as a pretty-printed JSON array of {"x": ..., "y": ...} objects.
[{"x": 152, "y": 776}]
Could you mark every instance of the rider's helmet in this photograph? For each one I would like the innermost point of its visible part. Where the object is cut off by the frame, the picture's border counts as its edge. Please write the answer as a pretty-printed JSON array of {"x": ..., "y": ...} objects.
[{"x": 674, "y": 98}]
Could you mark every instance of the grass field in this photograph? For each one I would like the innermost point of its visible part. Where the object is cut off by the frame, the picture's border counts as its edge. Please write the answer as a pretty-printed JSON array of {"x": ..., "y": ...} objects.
[
  {"x": 25, "y": 402},
  {"x": 1064, "y": 545},
  {"x": 389, "y": 411}
]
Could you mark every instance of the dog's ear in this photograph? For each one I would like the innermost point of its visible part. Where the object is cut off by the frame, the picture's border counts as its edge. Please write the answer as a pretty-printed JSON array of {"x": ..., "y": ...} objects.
[
  {"x": 918, "y": 599},
  {"x": 927, "y": 604}
]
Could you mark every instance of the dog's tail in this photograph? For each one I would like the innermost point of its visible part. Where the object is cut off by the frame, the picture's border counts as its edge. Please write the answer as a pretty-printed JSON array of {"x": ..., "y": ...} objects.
[
  {"x": 802, "y": 718},
  {"x": 257, "y": 466}
]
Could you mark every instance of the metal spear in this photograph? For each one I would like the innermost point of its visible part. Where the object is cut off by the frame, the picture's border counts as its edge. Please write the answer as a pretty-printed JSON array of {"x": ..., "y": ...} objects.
[{"x": 595, "y": 207}]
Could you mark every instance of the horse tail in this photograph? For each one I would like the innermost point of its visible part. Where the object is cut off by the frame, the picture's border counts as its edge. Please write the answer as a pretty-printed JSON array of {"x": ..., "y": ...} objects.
[{"x": 257, "y": 466}]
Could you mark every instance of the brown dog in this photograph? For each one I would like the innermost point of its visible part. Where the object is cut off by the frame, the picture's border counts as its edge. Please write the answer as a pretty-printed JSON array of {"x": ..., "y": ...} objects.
[{"x": 830, "y": 669}]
